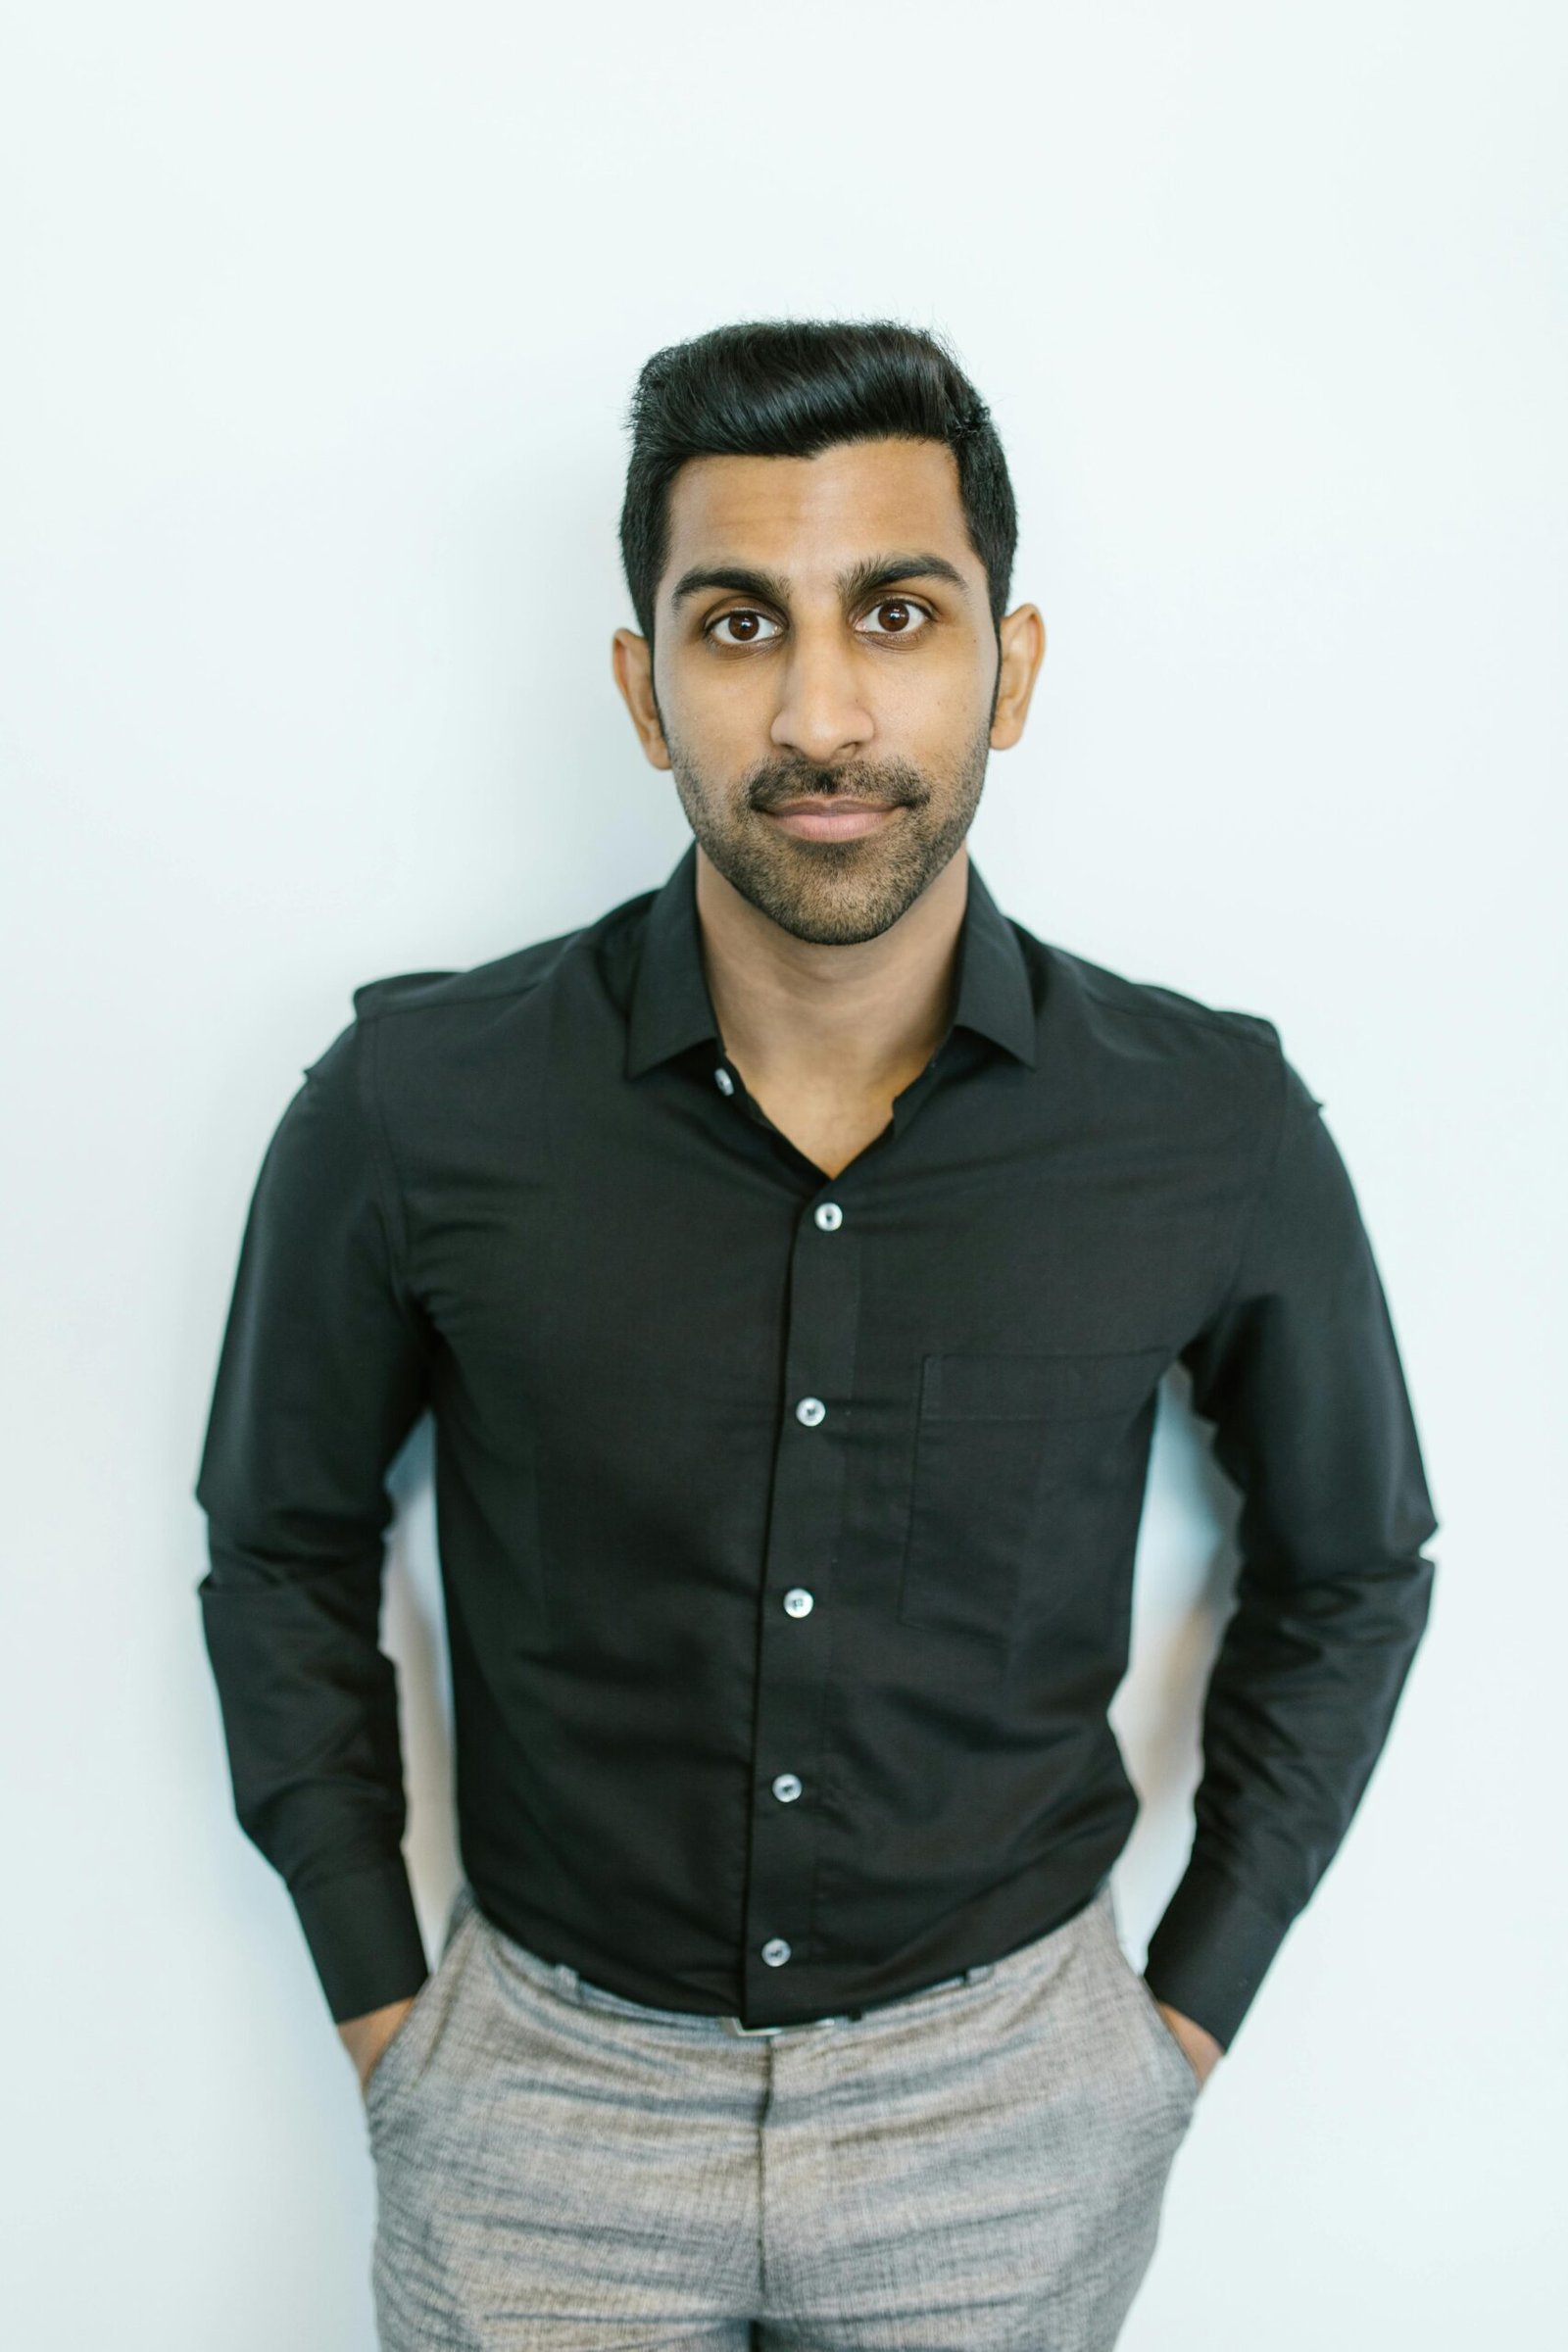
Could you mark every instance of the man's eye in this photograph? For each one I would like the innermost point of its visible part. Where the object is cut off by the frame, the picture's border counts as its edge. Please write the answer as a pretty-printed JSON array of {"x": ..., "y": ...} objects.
[
  {"x": 748, "y": 626},
  {"x": 899, "y": 617}
]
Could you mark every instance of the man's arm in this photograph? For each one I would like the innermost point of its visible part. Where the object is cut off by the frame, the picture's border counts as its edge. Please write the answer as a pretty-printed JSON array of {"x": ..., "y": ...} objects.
[
  {"x": 1298, "y": 1370},
  {"x": 323, "y": 1371}
]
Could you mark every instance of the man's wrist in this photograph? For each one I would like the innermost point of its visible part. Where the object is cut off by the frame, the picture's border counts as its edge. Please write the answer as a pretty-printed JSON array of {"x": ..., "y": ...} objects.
[
  {"x": 367, "y": 2037},
  {"x": 1200, "y": 2047}
]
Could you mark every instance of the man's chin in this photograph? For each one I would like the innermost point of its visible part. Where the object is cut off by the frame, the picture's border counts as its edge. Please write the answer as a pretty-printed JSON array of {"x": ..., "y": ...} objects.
[{"x": 832, "y": 894}]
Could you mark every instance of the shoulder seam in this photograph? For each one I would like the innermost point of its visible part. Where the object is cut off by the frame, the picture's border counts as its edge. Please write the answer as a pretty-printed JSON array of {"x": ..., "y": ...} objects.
[
  {"x": 365, "y": 1009},
  {"x": 520, "y": 984},
  {"x": 1255, "y": 1028},
  {"x": 1268, "y": 1162},
  {"x": 383, "y": 1167}
]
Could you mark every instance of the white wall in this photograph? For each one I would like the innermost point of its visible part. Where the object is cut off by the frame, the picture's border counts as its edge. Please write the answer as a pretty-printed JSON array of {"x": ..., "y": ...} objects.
[{"x": 320, "y": 323}]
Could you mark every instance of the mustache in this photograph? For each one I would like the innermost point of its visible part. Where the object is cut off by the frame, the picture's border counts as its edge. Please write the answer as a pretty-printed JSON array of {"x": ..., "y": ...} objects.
[{"x": 854, "y": 782}]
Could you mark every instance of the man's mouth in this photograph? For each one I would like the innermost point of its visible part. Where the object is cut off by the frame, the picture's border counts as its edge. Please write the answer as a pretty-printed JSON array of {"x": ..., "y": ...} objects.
[{"x": 836, "y": 819}]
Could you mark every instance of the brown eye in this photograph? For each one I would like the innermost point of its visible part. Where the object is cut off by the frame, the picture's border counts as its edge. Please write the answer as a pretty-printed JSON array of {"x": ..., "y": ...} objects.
[
  {"x": 899, "y": 617},
  {"x": 746, "y": 625}
]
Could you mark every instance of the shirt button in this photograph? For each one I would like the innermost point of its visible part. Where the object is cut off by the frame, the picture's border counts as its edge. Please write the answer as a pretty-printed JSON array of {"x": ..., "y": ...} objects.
[
  {"x": 798, "y": 1602},
  {"x": 811, "y": 1410},
  {"x": 829, "y": 1215},
  {"x": 786, "y": 1788},
  {"x": 724, "y": 1082},
  {"x": 775, "y": 1951}
]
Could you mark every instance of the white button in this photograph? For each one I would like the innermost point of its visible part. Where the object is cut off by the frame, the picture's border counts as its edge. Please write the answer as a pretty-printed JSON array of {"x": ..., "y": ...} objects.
[
  {"x": 798, "y": 1602},
  {"x": 829, "y": 1215},
  {"x": 724, "y": 1082},
  {"x": 786, "y": 1788},
  {"x": 811, "y": 1410},
  {"x": 775, "y": 1951}
]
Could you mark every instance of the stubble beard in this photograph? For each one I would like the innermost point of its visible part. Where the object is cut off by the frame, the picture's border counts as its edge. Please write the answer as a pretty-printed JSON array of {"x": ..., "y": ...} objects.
[{"x": 834, "y": 893}]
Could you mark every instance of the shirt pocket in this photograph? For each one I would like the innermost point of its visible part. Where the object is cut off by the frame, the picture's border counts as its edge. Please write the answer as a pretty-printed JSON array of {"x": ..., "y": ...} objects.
[{"x": 994, "y": 1434}]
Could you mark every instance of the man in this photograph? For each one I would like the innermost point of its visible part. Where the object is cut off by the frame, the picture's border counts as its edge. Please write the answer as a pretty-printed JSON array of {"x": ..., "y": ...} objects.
[{"x": 790, "y": 1261}]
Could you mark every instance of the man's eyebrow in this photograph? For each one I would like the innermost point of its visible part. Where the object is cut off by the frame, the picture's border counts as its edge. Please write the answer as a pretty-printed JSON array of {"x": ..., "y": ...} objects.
[
  {"x": 871, "y": 572},
  {"x": 885, "y": 571},
  {"x": 767, "y": 585}
]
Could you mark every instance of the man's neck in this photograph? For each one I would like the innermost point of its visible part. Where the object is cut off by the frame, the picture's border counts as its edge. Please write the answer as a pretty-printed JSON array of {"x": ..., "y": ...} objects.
[{"x": 798, "y": 1014}]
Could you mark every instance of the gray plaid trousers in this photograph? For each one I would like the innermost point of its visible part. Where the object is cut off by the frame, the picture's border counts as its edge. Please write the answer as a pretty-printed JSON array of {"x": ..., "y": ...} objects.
[{"x": 978, "y": 2167}]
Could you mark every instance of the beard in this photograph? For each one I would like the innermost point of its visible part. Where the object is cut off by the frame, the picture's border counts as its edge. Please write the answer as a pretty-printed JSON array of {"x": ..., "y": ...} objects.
[{"x": 834, "y": 893}]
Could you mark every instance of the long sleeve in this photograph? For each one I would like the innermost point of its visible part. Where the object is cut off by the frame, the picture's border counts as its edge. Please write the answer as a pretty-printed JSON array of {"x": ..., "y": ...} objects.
[
  {"x": 322, "y": 1374},
  {"x": 1299, "y": 1373}
]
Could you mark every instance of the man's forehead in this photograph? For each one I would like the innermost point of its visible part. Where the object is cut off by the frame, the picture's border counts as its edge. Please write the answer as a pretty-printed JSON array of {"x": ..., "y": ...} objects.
[{"x": 814, "y": 514}]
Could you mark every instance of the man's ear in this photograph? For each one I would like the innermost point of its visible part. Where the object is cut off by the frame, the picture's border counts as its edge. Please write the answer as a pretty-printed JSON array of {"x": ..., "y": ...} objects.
[
  {"x": 632, "y": 659},
  {"x": 1022, "y": 635}
]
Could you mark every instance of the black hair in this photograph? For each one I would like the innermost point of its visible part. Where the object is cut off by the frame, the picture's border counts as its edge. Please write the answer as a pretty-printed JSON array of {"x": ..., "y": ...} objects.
[{"x": 789, "y": 387}]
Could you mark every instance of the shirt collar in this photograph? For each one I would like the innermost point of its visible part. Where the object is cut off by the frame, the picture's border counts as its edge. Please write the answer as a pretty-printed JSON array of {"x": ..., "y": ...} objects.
[{"x": 671, "y": 1007}]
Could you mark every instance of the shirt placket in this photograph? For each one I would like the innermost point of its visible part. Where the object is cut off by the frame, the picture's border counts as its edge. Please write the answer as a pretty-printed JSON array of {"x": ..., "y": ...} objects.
[{"x": 798, "y": 1595}]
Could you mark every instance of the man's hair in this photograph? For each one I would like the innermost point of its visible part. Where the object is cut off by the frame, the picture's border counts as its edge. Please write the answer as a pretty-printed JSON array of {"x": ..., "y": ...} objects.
[{"x": 789, "y": 387}]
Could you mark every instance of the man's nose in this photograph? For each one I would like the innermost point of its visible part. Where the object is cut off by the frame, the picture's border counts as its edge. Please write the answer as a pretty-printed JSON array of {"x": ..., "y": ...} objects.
[{"x": 823, "y": 712}]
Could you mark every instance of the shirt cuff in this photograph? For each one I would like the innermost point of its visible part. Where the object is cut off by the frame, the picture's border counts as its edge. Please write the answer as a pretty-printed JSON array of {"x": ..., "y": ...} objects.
[
  {"x": 1211, "y": 1950},
  {"x": 363, "y": 1936}
]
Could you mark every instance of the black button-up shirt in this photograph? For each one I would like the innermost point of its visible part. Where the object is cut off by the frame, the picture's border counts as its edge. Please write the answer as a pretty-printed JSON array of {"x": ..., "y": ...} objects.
[{"x": 787, "y": 1522}]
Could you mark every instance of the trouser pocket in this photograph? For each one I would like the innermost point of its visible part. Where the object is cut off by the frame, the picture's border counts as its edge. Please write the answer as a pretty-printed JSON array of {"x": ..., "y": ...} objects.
[{"x": 407, "y": 2056}]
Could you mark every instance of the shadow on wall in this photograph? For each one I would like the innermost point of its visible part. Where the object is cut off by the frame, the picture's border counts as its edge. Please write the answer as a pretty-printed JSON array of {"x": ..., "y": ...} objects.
[{"x": 1185, "y": 1576}]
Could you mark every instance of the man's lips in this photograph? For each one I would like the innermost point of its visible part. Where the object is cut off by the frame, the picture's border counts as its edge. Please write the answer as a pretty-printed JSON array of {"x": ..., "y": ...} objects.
[{"x": 831, "y": 819}]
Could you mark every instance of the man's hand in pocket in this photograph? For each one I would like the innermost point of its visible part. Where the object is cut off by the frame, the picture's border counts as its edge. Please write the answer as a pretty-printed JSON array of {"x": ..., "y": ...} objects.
[
  {"x": 366, "y": 2037},
  {"x": 1199, "y": 2047}
]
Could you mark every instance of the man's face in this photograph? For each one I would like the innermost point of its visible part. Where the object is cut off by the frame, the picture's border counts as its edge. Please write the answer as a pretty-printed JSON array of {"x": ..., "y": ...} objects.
[{"x": 826, "y": 670}]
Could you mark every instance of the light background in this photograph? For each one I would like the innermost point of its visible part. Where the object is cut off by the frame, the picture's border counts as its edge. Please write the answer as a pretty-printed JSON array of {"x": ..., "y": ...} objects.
[{"x": 320, "y": 324}]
